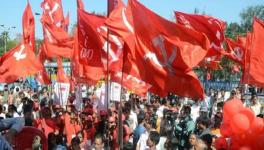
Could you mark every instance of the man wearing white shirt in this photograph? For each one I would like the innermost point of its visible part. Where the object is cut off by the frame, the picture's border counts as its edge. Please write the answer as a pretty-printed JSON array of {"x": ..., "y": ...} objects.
[{"x": 255, "y": 105}]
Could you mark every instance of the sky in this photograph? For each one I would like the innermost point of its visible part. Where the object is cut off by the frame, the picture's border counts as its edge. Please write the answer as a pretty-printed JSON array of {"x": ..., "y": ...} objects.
[{"x": 228, "y": 10}]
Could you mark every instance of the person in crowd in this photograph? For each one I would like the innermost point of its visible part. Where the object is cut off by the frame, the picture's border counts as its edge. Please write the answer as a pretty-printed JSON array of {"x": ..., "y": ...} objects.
[
  {"x": 150, "y": 125},
  {"x": 2, "y": 114},
  {"x": 185, "y": 126},
  {"x": 12, "y": 111},
  {"x": 153, "y": 140},
  {"x": 14, "y": 126},
  {"x": 98, "y": 143},
  {"x": 195, "y": 110},
  {"x": 89, "y": 130},
  {"x": 72, "y": 127},
  {"x": 140, "y": 129},
  {"x": 75, "y": 143},
  {"x": 255, "y": 105},
  {"x": 112, "y": 133},
  {"x": 203, "y": 126},
  {"x": 207, "y": 139},
  {"x": 46, "y": 124},
  {"x": 192, "y": 141}
]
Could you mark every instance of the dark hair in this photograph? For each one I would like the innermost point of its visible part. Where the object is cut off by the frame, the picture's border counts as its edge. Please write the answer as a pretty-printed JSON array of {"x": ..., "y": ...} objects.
[
  {"x": 140, "y": 117},
  {"x": 207, "y": 138},
  {"x": 204, "y": 121},
  {"x": 75, "y": 140},
  {"x": 154, "y": 137},
  {"x": 128, "y": 146},
  {"x": 187, "y": 109}
]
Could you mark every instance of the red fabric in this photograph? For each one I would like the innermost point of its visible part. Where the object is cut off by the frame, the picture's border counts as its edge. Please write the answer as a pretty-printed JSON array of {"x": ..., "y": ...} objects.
[
  {"x": 47, "y": 126},
  {"x": 236, "y": 51},
  {"x": 89, "y": 134},
  {"x": 84, "y": 73},
  {"x": 90, "y": 53},
  {"x": 71, "y": 130},
  {"x": 53, "y": 10},
  {"x": 241, "y": 40},
  {"x": 23, "y": 140},
  {"x": 131, "y": 78},
  {"x": 254, "y": 73},
  {"x": 61, "y": 76},
  {"x": 120, "y": 21},
  {"x": 17, "y": 63},
  {"x": 185, "y": 48},
  {"x": 56, "y": 39},
  {"x": 29, "y": 27},
  {"x": 43, "y": 77},
  {"x": 80, "y": 4},
  {"x": 212, "y": 27},
  {"x": 112, "y": 4}
]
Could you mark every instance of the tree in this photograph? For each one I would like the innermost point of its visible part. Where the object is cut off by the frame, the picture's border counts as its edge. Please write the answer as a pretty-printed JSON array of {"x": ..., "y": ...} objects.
[
  {"x": 233, "y": 29},
  {"x": 9, "y": 43},
  {"x": 248, "y": 14}
]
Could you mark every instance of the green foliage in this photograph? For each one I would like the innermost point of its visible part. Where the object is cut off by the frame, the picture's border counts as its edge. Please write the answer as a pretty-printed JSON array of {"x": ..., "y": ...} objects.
[{"x": 248, "y": 14}]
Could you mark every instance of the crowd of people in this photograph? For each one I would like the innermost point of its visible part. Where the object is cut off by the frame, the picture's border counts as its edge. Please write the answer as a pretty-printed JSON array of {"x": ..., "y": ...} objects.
[{"x": 170, "y": 123}]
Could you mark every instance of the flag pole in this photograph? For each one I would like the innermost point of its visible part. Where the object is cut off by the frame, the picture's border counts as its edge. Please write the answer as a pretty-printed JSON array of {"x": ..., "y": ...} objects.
[{"x": 107, "y": 78}]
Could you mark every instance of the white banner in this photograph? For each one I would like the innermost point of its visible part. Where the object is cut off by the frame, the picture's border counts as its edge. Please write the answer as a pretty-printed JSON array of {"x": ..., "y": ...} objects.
[
  {"x": 115, "y": 91},
  {"x": 61, "y": 93}
]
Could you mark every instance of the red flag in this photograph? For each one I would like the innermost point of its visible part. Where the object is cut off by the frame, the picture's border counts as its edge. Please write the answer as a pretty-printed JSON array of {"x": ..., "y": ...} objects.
[
  {"x": 212, "y": 27},
  {"x": 53, "y": 10},
  {"x": 28, "y": 27},
  {"x": 120, "y": 22},
  {"x": 57, "y": 42},
  {"x": 131, "y": 78},
  {"x": 236, "y": 51},
  {"x": 245, "y": 76},
  {"x": 61, "y": 76},
  {"x": 90, "y": 43},
  {"x": 112, "y": 4},
  {"x": 80, "y": 4},
  {"x": 43, "y": 77},
  {"x": 84, "y": 73},
  {"x": 167, "y": 51},
  {"x": 241, "y": 40},
  {"x": 254, "y": 73},
  {"x": 17, "y": 63}
]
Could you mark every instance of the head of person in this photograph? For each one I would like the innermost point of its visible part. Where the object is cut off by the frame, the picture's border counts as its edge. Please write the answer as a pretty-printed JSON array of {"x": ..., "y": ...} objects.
[
  {"x": 192, "y": 140},
  {"x": 203, "y": 112},
  {"x": 27, "y": 111},
  {"x": 203, "y": 123},
  {"x": 207, "y": 139},
  {"x": 51, "y": 140},
  {"x": 46, "y": 112},
  {"x": 98, "y": 142},
  {"x": 254, "y": 98},
  {"x": 201, "y": 145},
  {"x": 171, "y": 143},
  {"x": 150, "y": 123},
  {"x": 111, "y": 123},
  {"x": 153, "y": 139},
  {"x": 186, "y": 111},
  {"x": 80, "y": 135},
  {"x": 141, "y": 117},
  {"x": 75, "y": 143}
]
